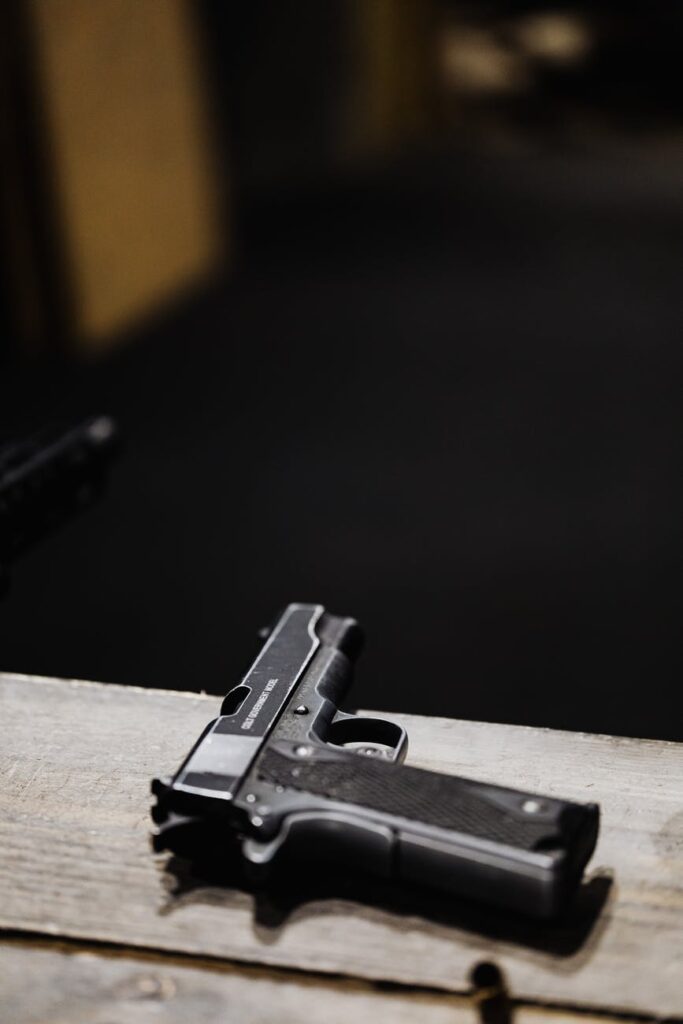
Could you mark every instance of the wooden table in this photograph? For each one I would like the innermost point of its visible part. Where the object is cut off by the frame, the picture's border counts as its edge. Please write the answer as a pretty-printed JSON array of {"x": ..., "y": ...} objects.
[{"x": 93, "y": 931}]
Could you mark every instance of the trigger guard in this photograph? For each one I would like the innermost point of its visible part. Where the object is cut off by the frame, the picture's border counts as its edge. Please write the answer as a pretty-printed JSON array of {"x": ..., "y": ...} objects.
[
  {"x": 345, "y": 729},
  {"x": 343, "y": 716}
]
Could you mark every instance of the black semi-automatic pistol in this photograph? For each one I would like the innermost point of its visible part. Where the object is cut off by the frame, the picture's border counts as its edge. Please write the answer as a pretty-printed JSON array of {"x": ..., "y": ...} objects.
[{"x": 283, "y": 774}]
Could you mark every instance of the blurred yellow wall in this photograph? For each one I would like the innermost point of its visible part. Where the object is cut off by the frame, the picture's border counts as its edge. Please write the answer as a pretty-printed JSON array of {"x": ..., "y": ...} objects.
[{"x": 130, "y": 149}]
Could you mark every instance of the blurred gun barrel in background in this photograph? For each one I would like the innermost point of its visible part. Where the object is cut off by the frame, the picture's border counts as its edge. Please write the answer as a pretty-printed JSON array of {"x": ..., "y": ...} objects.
[{"x": 46, "y": 478}]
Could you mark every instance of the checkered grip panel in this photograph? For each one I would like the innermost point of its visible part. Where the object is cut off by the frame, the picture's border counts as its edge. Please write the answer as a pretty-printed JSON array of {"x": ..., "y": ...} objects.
[{"x": 444, "y": 801}]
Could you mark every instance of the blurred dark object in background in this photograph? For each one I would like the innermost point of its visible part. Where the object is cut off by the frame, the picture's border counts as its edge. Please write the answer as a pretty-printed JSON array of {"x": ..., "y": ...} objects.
[
  {"x": 386, "y": 298},
  {"x": 48, "y": 477}
]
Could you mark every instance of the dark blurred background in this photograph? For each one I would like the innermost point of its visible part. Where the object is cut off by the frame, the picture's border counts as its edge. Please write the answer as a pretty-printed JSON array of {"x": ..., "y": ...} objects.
[{"x": 386, "y": 298}]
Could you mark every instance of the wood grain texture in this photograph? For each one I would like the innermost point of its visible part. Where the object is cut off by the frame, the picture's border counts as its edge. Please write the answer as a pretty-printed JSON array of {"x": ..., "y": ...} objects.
[
  {"x": 46, "y": 986},
  {"x": 86, "y": 986},
  {"x": 76, "y": 760},
  {"x": 53, "y": 985}
]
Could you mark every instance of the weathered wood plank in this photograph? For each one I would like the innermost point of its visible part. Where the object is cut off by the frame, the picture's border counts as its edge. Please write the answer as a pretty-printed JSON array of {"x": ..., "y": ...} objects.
[
  {"x": 51, "y": 985},
  {"x": 76, "y": 760},
  {"x": 47, "y": 986}
]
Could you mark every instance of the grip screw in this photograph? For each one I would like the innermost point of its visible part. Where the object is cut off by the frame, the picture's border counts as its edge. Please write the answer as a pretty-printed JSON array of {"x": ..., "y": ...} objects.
[
  {"x": 301, "y": 710},
  {"x": 302, "y": 751},
  {"x": 532, "y": 806}
]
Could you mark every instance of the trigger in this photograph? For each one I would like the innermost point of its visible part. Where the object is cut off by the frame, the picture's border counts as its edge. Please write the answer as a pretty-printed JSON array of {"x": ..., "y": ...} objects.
[{"x": 259, "y": 857}]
